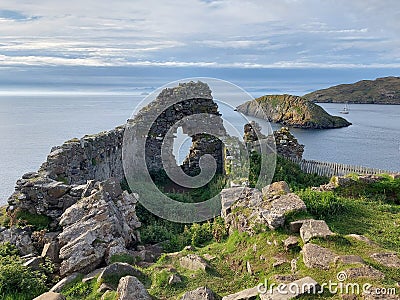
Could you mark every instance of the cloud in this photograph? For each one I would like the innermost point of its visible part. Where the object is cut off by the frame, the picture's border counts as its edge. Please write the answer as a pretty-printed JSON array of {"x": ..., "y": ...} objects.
[{"x": 207, "y": 33}]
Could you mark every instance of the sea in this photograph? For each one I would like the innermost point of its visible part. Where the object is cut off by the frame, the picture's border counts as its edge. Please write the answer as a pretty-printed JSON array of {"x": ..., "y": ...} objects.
[{"x": 31, "y": 125}]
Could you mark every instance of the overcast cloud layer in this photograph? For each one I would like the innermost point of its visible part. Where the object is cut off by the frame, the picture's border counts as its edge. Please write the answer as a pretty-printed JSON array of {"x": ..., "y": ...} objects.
[{"x": 225, "y": 33}]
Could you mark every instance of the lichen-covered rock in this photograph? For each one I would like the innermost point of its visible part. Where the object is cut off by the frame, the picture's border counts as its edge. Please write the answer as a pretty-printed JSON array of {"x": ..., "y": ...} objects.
[
  {"x": 364, "y": 271},
  {"x": 94, "y": 225},
  {"x": 291, "y": 242},
  {"x": 201, "y": 293},
  {"x": 245, "y": 208},
  {"x": 315, "y": 256},
  {"x": 390, "y": 260},
  {"x": 275, "y": 214},
  {"x": 117, "y": 270},
  {"x": 130, "y": 288},
  {"x": 193, "y": 262},
  {"x": 20, "y": 237},
  {"x": 314, "y": 228},
  {"x": 276, "y": 189}
]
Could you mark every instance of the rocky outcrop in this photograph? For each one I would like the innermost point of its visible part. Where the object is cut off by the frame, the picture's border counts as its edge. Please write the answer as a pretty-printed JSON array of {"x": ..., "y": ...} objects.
[
  {"x": 97, "y": 227},
  {"x": 291, "y": 111},
  {"x": 384, "y": 90},
  {"x": 245, "y": 208}
]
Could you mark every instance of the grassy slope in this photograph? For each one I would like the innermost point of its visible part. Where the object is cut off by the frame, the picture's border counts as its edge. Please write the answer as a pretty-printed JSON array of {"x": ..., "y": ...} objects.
[
  {"x": 346, "y": 211},
  {"x": 372, "y": 210}
]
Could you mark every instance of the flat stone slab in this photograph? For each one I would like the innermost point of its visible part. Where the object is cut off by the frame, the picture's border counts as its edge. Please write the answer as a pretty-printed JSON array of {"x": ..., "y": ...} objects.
[
  {"x": 366, "y": 271},
  {"x": 349, "y": 259},
  {"x": 50, "y": 296},
  {"x": 361, "y": 238},
  {"x": 303, "y": 286},
  {"x": 390, "y": 260},
  {"x": 314, "y": 228},
  {"x": 315, "y": 256},
  {"x": 243, "y": 295}
]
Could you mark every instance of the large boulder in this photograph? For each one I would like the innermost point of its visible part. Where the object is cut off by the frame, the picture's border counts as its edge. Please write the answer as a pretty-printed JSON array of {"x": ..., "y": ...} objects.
[
  {"x": 201, "y": 293},
  {"x": 97, "y": 227},
  {"x": 244, "y": 208},
  {"x": 314, "y": 228},
  {"x": 193, "y": 262},
  {"x": 130, "y": 288},
  {"x": 117, "y": 270}
]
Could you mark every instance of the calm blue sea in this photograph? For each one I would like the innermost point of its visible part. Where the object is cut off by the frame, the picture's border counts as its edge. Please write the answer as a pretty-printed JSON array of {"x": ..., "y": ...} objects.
[{"x": 31, "y": 125}]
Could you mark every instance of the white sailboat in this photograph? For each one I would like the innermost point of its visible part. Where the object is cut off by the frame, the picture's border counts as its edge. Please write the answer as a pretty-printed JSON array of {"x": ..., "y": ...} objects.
[{"x": 345, "y": 109}]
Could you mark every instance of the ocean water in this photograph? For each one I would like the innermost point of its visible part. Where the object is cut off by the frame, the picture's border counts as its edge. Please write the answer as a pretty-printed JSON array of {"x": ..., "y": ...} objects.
[{"x": 31, "y": 125}]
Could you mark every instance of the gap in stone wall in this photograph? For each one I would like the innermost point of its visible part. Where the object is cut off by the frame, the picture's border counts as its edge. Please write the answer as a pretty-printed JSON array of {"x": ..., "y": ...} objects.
[{"x": 182, "y": 144}]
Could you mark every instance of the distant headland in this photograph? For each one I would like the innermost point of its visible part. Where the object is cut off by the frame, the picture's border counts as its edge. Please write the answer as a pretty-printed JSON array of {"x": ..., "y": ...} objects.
[{"x": 384, "y": 90}]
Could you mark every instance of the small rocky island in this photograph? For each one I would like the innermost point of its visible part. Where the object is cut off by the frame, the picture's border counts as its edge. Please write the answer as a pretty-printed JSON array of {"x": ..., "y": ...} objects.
[
  {"x": 384, "y": 90},
  {"x": 292, "y": 111}
]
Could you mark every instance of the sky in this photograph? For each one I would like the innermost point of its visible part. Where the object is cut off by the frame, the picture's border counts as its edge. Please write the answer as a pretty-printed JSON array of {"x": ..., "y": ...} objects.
[{"x": 43, "y": 42}]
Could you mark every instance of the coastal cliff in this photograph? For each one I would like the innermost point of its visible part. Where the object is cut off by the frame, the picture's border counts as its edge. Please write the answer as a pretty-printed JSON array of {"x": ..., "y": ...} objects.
[
  {"x": 384, "y": 90},
  {"x": 291, "y": 111}
]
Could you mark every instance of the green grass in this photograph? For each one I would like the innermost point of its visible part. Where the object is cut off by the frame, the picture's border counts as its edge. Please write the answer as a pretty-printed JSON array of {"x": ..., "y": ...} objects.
[
  {"x": 4, "y": 217},
  {"x": 39, "y": 222},
  {"x": 78, "y": 290}
]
